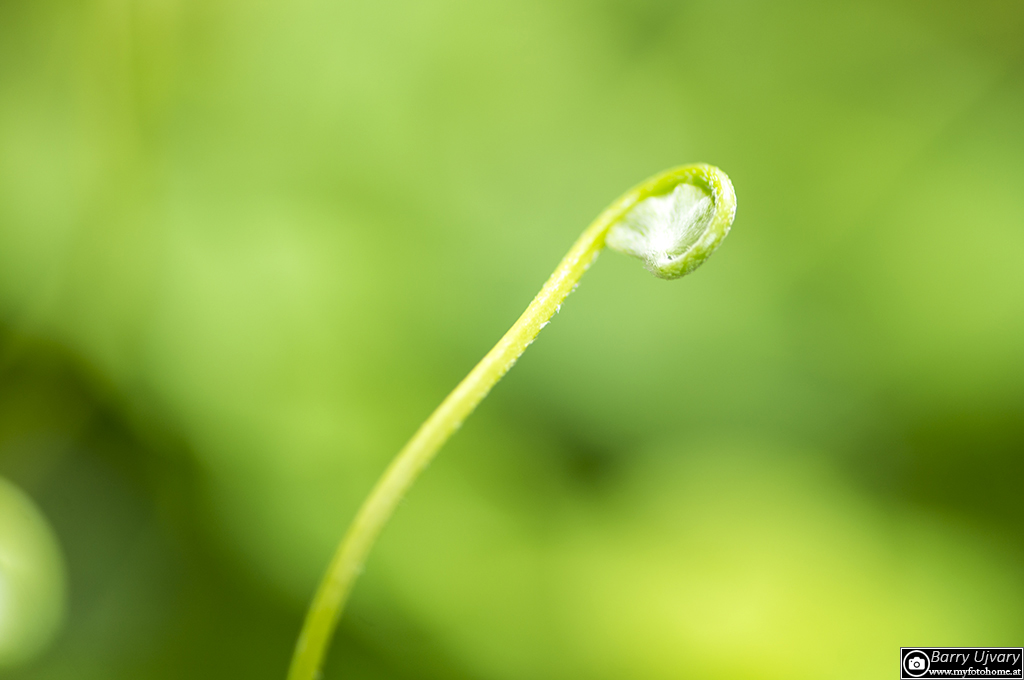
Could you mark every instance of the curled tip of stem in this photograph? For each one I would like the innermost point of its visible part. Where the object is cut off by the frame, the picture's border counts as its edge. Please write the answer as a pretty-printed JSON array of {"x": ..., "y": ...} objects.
[{"x": 677, "y": 219}]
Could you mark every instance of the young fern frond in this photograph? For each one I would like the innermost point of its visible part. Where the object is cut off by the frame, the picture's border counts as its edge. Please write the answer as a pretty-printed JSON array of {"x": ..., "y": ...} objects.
[{"x": 673, "y": 222}]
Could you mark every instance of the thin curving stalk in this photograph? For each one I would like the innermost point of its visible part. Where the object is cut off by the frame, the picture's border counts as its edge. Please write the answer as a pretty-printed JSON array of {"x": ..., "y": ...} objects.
[{"x": 672, "y": 222}]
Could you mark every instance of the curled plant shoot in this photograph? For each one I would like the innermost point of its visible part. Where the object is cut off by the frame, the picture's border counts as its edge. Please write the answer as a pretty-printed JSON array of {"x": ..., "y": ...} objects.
[{"x": 672, "y": 222}]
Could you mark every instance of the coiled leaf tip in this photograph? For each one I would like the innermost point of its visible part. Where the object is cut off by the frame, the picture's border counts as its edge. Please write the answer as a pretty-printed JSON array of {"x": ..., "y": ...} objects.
[{"x": 677, "y": 220}]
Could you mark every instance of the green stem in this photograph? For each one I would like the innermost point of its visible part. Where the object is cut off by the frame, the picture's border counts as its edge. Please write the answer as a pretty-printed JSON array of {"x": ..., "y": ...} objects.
[{"x": 348, "y": 561}]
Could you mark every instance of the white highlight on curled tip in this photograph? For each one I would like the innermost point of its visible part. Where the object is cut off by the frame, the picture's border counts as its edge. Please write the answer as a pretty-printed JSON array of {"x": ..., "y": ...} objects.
[
  {"x": 661, "y": 229},
  {"x": 674, "y": 232}
]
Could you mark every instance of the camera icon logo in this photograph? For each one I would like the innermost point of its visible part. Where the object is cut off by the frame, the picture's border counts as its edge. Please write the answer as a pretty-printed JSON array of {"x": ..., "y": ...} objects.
[{"x": 916, "y": 663}]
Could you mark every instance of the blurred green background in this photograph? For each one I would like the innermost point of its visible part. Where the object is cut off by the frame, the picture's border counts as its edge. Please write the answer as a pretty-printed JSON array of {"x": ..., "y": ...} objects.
[{"x": 246, "y": 247}]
